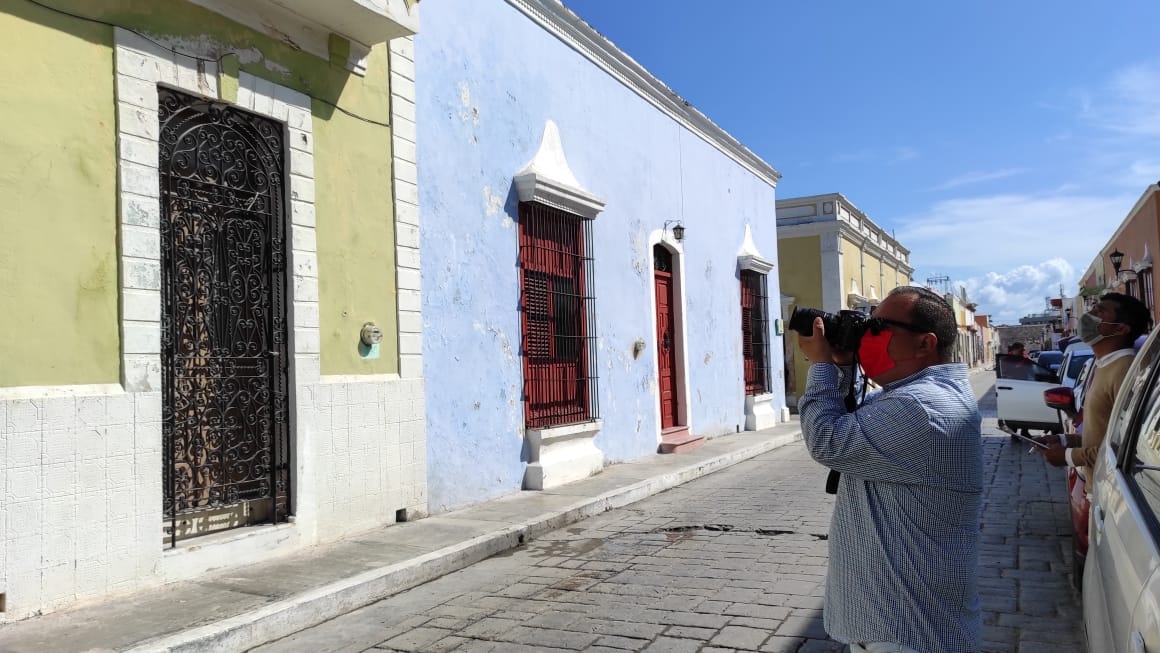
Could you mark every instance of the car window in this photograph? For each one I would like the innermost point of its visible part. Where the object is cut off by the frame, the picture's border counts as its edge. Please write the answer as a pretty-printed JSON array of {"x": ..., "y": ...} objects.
[
  {"x": 1134, "y": 383},
  {"x": 1076, "y": 364},
  {"x": 1017, "y": 368},
  {"x": 1082, "y": 380},
  {"x": 1147, "y": 481},
  {"x": 1050, "y": 358}
]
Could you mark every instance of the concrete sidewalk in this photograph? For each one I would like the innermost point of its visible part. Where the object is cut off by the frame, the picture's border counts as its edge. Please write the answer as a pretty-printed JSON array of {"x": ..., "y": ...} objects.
[{"x": 237, "y": 609}]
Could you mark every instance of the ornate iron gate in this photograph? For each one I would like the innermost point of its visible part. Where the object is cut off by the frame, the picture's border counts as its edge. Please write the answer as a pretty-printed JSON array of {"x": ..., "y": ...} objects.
[{"x": 223, "y": 323}]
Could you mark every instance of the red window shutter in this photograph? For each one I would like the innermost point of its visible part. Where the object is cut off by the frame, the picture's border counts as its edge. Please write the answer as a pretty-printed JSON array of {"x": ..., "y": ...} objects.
[{"x": 555, "y": 331}]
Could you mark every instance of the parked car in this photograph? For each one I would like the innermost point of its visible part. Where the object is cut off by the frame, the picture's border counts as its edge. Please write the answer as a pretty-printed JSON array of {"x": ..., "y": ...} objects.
[
  {"x": 1073, "y": 361},
  {"x": 1121, "y": 586},
  {"x": 1069, "y": 401},
  {"x": 1050, "y": 359},
  {"x": 1019, "y": 387}
]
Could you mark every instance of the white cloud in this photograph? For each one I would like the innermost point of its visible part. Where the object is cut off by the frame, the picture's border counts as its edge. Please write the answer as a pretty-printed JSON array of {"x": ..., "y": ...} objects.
[
  {"x": 1009, "y": 295},
  {"x": 977, "y": 177},
  {"x": 1012, "y": 250}
]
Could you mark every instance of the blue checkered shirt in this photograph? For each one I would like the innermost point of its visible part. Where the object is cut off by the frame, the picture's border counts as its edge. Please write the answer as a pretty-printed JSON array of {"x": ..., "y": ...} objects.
[{"x": 904, "y": 537}]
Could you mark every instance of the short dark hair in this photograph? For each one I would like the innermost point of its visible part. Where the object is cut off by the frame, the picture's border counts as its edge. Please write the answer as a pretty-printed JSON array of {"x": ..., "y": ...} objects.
[
  {"x": 1014, "y": 345},
  {"x": 1130, "y": 311},
  {"x": 933, "y": 313}
]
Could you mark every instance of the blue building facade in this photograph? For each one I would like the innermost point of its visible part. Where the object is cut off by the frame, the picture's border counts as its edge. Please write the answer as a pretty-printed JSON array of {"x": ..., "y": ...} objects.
[{"x": 526, "y": 116}]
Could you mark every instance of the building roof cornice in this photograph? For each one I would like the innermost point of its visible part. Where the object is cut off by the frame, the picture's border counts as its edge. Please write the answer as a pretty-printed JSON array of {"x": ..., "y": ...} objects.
[
  {"x": 848, "y": 232},
  {"x": 580, "y": 36}
]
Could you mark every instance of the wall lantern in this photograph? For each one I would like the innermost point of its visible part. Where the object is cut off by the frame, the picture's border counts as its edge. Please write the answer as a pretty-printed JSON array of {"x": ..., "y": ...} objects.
[
  {"x": 679, "y": 229},
  {"x": 1117, "y": 259}
]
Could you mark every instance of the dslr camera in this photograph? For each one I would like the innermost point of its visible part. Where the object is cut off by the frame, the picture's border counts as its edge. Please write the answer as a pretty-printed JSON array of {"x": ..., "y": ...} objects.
[{"x": 843, "y": 331}]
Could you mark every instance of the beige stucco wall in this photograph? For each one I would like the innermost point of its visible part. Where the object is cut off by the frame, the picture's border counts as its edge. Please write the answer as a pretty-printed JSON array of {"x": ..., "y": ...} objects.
[
  {"x": 800, "y": 275},
  {"x": 869, "y": 269},
  {"x": 58, "y": 224}
]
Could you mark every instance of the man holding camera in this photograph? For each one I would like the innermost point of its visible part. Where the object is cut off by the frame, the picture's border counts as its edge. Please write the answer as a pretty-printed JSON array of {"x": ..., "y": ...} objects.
[{"x": 904, "y": 534}]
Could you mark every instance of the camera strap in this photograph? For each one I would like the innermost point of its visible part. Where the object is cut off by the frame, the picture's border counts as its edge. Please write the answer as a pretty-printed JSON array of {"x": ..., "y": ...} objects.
[{"x": 851, "y": 405}]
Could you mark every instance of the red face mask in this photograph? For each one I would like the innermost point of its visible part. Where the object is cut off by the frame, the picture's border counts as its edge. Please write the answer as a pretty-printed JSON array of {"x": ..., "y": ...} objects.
[{"x": 873, "y": 355}]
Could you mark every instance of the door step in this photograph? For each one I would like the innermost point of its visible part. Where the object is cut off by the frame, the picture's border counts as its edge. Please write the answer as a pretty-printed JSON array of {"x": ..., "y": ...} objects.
[{"x": 678, "y": 439}]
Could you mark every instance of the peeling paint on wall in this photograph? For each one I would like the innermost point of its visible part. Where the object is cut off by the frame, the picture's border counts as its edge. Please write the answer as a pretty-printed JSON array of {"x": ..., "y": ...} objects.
[
  {"x": 493, "y": 203},
  {"x": 500, "y": 336},
  {"x": 468, "y": 113}
]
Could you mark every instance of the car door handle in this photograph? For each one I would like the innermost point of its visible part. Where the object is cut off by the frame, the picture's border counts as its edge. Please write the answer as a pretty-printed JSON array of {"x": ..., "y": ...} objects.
[
  {"x": 1004, "y": 387},
  {"x": 1098, "y": 515},
  {"x": 1138, "y": 643}
]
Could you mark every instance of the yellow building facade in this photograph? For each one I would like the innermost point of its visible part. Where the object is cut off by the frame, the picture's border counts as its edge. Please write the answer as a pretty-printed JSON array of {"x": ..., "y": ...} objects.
[{"x": 834, "y": 258}]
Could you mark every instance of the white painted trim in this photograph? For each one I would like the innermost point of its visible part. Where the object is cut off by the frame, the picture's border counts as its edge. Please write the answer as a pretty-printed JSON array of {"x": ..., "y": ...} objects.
[
  {"x": 559, "y": 21},
  {"x": 748, "y": 256},
  {"x": 562, "y": 454},
  {"x": 19, "y": 393},
  {"x": 404, "y": 150},
  {"x": 548, "y": 179},
  {"x": 680, "y": 310},
  {"x": 855, "y": 237},
  {"x": 141, "y": 66},
  {"x": 830, "y": 255}
]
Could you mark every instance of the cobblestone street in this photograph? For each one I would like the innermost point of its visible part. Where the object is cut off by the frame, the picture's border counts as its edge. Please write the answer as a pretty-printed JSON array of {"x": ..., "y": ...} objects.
[{"x": 734, "y": 561}]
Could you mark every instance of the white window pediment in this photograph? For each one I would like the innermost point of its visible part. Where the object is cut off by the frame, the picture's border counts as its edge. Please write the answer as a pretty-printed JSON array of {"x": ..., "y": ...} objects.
[
  {"x": 748, "y": 258},
  {"x": 548, "y": 179}
]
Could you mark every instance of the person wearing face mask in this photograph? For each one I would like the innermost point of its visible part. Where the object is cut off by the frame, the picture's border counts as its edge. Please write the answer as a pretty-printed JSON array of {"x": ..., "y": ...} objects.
[
  {"x": 904, "y": 535},
  {"x": 1109, "y": 328}
]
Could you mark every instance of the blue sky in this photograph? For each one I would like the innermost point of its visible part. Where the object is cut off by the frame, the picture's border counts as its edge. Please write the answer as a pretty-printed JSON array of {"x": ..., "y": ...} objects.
[{"x": 1003, "y": 141}]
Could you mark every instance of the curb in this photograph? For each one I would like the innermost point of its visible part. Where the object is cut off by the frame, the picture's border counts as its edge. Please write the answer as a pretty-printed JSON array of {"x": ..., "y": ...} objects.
[{"x": 288, "y": 616}]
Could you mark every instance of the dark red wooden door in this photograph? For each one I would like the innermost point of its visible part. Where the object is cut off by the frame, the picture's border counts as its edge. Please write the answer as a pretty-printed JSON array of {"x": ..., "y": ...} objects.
[{"x": 666, "y": 349}]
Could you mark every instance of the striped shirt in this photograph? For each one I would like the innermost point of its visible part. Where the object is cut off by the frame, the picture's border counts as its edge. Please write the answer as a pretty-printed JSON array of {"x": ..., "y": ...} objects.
[{"x": 904, "y": 536}]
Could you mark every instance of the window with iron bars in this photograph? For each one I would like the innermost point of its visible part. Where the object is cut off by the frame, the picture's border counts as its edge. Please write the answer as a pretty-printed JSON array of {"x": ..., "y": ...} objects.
[
  {"x": 557, "y": 317},
  {"x": 755, "y": 332}
]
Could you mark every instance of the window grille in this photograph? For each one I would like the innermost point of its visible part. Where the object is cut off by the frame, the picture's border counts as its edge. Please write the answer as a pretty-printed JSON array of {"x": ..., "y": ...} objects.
[
  {"x": 558, "y": 319},
  {"x": 755, "y": 332},
  {"x": 1146, "y": 288}
]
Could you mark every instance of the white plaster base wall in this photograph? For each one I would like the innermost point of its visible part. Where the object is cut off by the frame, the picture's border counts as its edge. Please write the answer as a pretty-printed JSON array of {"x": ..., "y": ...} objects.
[
  {"x": 562, "y": 454},
  {"x": 82, "y": 496},
  {"x": 81, "y": 475},
  {"x": 759, "y": 412},
  {"x": 370, "y": 451}
]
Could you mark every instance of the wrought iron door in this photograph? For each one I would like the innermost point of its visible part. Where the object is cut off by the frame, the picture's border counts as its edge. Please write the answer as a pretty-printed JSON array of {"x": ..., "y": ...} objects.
[{"x": 223, "y": 325}]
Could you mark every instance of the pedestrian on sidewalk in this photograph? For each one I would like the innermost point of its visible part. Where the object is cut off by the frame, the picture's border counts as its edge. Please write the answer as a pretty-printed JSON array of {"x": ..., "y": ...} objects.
[
  {"x": 1110, "y": 328},
  {"x": 904, "y": 536}
]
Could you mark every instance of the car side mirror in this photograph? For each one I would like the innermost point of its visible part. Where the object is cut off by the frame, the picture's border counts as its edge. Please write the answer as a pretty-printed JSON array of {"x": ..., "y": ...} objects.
[{"x": 1061, "y": 398}]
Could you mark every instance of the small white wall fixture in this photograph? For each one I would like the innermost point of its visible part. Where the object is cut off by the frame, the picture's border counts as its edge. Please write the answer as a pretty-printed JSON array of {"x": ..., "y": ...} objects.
[{"x": 566, "y": 453}]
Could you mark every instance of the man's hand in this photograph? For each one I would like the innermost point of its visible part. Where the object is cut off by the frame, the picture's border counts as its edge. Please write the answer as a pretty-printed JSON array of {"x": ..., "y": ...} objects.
[
  {"x": 816, "y": 347},
  {"x": 1054, "y": 453}
]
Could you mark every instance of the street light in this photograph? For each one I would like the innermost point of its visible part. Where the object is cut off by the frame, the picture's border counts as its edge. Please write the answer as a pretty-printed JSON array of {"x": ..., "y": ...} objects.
[{"x": 1117, "y": 258}]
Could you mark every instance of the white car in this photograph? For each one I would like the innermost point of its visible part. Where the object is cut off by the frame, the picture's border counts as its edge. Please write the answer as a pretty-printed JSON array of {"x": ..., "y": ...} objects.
[
  {"x": 1073, "y": 360},
  {"x": 1019, "y": 386},
  {"x": 1121, "y": 583}
]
